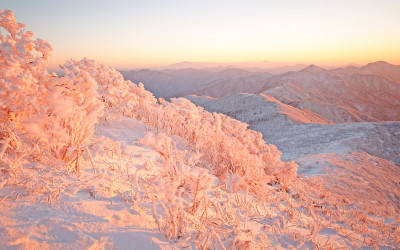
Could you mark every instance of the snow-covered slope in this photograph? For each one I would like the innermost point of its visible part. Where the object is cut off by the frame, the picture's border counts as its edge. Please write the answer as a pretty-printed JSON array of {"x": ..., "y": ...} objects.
[
  {"x": 382, "y": 68},
  {"x": 252, "y": 108},
  {"x": 358, "y": 176},
  {"x": 112, "y": 207},
  {"x": 330, "y": 123},
  {"x": 92, "y": 161},
  {"x": 298, "y": 133},
  {"x": 89, "y": 211},
  {"x": 340, "y": 98},
  {"x": 345, "y": 156}
]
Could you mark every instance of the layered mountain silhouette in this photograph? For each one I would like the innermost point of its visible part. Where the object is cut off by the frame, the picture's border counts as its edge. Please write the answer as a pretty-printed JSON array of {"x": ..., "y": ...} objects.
[
  {"x": 370, "y": 93},
  {"x": 305, "y": 112}
]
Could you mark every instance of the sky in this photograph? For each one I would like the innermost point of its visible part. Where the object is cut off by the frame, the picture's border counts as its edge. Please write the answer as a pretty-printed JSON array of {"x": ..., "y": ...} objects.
[{"x": 149, "y": 33}]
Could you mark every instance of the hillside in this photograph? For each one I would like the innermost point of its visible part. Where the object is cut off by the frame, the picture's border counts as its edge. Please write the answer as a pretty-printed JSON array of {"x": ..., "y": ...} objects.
[
  {"x": 227, "y": 87},
  {"x": 299, "y": 133},
  {"x": 340, "y": 98},
  {"x": 89, "y": 160},
  {"x": 113, "y": 209}
]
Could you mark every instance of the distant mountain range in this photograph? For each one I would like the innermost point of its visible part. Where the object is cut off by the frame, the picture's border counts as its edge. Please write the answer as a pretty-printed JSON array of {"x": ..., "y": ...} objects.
[
  {"x": 342, "y": 91},
  {"x": 263, "y": 66},
  {"x": 305, "y": 112},
  {"x": 180, "y": 82},
  {"x": 370, "y": 93}
]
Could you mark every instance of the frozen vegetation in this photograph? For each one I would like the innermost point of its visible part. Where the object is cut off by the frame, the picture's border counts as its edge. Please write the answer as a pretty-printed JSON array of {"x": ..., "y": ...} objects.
[{"x": 90, "y": 160}]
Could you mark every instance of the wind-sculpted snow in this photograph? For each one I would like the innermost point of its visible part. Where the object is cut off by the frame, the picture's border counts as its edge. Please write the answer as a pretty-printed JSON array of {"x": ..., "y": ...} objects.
[{"x": 90, "y": 160}]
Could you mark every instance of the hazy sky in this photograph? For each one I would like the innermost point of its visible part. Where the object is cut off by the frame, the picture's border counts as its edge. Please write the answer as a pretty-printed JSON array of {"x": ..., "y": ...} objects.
[{"x": 130, "y": 34}]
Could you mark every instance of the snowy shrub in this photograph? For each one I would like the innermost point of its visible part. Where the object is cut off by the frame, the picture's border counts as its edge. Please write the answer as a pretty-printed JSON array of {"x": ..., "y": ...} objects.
[
  {"x": 21, "y": 73},
  {"x": 120, "y": 97},
  {"x": 227, "y": 145},
  {"x": 190, "y": 205},
  {"x": 9, "y": 141},
  {"x": 56, "y": 113},
  {"x": 186, "y": 199},
  {"x": 179, "y": 189}
]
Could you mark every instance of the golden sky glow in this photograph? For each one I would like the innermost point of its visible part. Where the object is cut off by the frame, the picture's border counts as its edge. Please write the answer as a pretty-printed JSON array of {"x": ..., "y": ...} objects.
[{"x": 133, "y": 34}]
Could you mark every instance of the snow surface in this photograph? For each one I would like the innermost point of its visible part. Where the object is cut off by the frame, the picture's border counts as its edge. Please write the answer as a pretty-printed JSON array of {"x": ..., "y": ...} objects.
[
  {"x": 106, "y": 211},
  {"x": 90, "y": 211}
]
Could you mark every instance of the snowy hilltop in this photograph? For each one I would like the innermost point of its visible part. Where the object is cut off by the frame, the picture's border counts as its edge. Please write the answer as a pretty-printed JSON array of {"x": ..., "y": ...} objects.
[{"x": 89, "y": 160}]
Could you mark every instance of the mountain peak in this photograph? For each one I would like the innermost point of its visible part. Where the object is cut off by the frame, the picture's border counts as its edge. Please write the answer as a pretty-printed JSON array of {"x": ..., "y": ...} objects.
[
  {"x": 378, "y": 64},
  {"x": 233, "y": 70},
  {"x": 312, "y": 68}
]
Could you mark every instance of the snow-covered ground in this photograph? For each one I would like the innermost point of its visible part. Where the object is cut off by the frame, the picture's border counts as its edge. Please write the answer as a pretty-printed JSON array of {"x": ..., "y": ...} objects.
[
  {"x": 93, "y": 211},
  {"x": 110, "y": 208}
]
